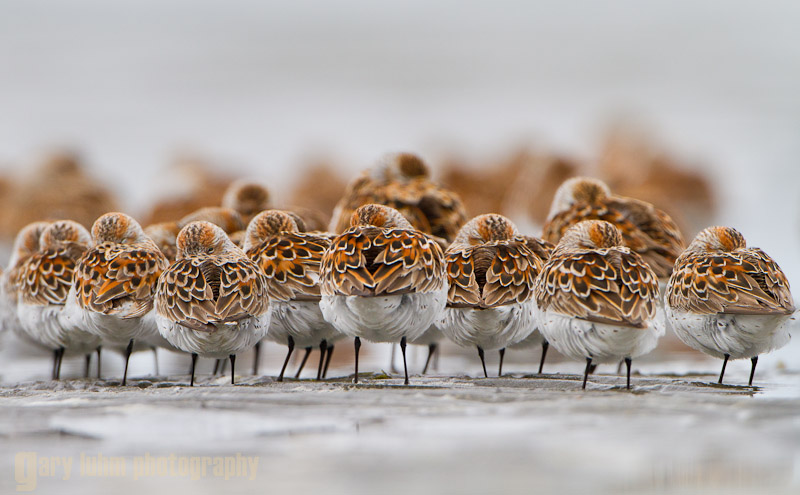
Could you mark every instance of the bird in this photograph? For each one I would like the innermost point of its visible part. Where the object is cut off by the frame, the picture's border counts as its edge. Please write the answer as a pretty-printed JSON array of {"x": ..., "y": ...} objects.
[
  {"x": 402, "y": 181},
  {"x": 228, "y": 219},
  {"x": 26, "y": 244},
  {"x": 114, "y": 285},
  {"x": 645, "y": 229},
  {"x": 248, "y": 198},
  {"x": 542, "y": 249},
  {"x": 291, "y": 261},
  {"x": 213, "y": 300},
  {"x": 44, "y": 281},
  {"x": 382, "y": 280},
  {"x": 728, "y": 300},
  {"x": 597, "y": 298},
  {"x": 491, "y": 273}
]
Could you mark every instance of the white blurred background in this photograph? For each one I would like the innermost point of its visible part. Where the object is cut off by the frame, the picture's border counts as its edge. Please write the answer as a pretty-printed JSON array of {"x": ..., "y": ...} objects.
[{"x": 264, "y": 85}]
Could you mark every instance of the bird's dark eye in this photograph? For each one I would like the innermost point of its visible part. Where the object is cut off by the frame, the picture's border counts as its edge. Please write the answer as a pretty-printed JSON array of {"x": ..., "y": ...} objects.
[{"x": 210, "y": 250}]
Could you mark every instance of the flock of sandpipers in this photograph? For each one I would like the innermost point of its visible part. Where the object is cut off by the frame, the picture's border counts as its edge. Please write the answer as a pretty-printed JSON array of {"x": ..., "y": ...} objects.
[{"x": 400, "y": 263}]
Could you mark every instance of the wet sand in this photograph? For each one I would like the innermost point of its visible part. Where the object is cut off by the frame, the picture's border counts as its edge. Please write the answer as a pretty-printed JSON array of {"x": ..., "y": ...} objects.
[{"x": 516, "y": 434}]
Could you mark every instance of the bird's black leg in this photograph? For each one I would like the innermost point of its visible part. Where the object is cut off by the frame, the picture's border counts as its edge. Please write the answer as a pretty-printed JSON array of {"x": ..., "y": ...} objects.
[
  {"x": 403, "y": 350},
  {"x": 155, "y": 357},
  {"x": 628, "y": 366},
  {"x": 88, "y": 363},
  {"x": 754, "y": 362},
  {"x": 303, "y": 362},
  {"x": 586, "y": 371},
  {"x": 483, "y": 361},
  {"x": 431, "y": 352},
  {"x": 256, "y": 357},
  {"x": 232, "y": 357},
  {"x": 545, "y": 346},
  {"x": 724, "y": 363},
  {"x": 98, "y": 360},
  {"x": 217, "y": 363},
  {"x": 194, "y": 363},
  {"x": 327, "y": 362},
  {"x": 502, "y": 356},
  {"x": 128, "y": 351},
  {"x": 356, "y": 346},
  {"x": 290, "y": 343},
  {"x": 392, "y": 367},
  {"x": 59, "y": 359},
  {"x": 323, "y": 350},
  {"x": 55, "y": 363}
]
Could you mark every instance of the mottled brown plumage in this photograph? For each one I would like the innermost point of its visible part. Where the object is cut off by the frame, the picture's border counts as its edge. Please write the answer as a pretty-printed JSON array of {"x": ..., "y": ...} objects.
[
  {"x": 402, "y": 181},
  {"x": 591, "y": 275},
  {"x": 718, "y": 273},
  {"x": 290, "y": 259},
  {"x": 645, "y": 229},
  {"x": 118, "y": 275},
  {"x": 228, "y": 219},
  {"x": 490, "y": 265},
  {"x": 212, "y": 281},
  {"x": 46, "y": 276},
  {"x": 381, "y": 253}
]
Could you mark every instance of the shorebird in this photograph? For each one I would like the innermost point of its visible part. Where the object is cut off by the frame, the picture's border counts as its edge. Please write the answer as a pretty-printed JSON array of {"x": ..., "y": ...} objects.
[
  {"x": 26, "y": 243},
  {"x": 645, "y": 229},
  {"x": 213, "y": 300},
  {"x": 114, "y": 285},
  {"x": 291, "y": 261},
  {"x": 44, "y": 280},
  {"x": 597, "y": 299},
  {"x": 402, "y": 181},
  {"x": 382, "y": 280},
  {"x": 727, "y": 300},
  {"x": 491, "y": 274}
]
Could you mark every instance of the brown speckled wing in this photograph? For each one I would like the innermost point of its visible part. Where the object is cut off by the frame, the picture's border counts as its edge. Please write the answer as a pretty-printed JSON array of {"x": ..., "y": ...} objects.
[
  {"x": 491, "y": 275},
  {"x": 661, "y": 235},
  {"x": 746, "y": 281},
  {"x": 242, "y": 290},
  {"x": 558, "y": 225},
  {"x": 646, "y": 230},
  {"x": 463, "y": 289},
  {"x": 511, "y": 276},
  {"x": 427, "y": 206},
  {"x": 541, "y": 248},
  {"x": 184, "y": 296},
  {"x": 610, "y": 285},
  {"x": 374, "y": 261},
  {"x": 46, "y": 277},
  {"x": 119, "y": 279},
  {"x": 291, "y": 263}
]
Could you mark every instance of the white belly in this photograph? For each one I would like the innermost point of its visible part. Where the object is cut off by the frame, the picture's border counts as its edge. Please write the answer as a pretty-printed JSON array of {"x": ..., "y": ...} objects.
[
  {"x": 118, "y": 332},
  {"x": 302, "y": 320},
  {"x": 740, "y": 336},
  {"x": 220, "y": 343},
  {"x": 384, "y": 318},
  {"x": 47, "y": 326},
  {"x": 604, "y": 342},
  {"x": 490, "y": 329},
  {"x": 114, "y": 331}
]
